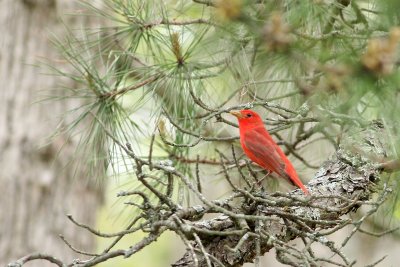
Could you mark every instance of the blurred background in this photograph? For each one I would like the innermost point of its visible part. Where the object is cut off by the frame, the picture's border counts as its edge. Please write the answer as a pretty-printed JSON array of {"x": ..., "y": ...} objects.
[{"x": 54, "y": 162}]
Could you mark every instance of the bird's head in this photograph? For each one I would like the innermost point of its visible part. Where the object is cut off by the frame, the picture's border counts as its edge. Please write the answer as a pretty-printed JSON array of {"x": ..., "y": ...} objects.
[{"x": 247, "y": 116}]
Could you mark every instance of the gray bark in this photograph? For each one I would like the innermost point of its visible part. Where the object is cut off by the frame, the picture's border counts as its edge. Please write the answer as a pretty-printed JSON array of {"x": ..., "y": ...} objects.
[{"x": 37, "y": 187}]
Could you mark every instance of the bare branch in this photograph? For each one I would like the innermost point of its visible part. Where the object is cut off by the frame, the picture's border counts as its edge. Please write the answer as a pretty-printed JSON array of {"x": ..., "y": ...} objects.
[{"x": 36, "y": 256}]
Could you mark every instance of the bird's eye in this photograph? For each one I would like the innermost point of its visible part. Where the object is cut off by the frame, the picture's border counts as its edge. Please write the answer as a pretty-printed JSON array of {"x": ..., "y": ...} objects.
[{"x": 248, "y": 115}]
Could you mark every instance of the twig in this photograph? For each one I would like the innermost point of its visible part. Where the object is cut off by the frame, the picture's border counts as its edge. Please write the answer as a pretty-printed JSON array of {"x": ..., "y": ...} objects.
[
  {"x": 36, "y": 256},
  {"x": 77, "y": 250},
  {"x": 203, "y": 250}
]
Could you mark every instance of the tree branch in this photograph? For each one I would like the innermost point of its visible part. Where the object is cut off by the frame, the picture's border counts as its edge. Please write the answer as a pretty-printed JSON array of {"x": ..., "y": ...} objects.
[{"x": 36, "y": 256}]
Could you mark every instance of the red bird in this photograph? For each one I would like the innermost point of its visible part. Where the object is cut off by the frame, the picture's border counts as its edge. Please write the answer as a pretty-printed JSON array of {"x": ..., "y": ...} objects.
[{"x": 259, "y": 146}]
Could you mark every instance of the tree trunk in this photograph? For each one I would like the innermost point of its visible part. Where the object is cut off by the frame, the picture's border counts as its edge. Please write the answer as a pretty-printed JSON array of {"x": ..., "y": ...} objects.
[{"x": 37, "y": 187}]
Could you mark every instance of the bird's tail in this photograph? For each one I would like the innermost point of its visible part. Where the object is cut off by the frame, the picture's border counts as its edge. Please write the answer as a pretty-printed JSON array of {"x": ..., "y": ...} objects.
[{"x": 291, "y": 175}]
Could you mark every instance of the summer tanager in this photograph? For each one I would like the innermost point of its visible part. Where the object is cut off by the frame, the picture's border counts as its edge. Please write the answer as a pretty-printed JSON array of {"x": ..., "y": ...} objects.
[{"x": 259, "y": 146}]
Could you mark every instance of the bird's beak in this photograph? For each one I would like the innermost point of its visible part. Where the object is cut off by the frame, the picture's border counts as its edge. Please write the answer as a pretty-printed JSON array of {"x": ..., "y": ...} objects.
[{"x": 236, "y": 113}]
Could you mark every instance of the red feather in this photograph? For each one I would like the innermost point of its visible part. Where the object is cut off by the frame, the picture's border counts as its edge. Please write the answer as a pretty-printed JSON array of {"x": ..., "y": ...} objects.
[{"x": 259, "y": 146}]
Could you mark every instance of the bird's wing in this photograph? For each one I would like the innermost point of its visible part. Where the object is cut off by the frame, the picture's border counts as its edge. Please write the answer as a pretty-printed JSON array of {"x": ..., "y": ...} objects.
[{"x": 264, "y": 149}]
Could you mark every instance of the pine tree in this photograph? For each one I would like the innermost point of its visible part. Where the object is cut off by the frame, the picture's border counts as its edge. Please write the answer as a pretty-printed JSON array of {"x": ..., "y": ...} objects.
[{"x": 159, "y": 82}]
